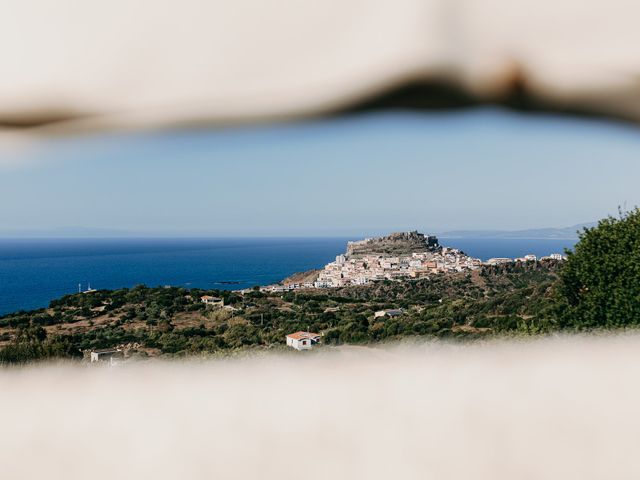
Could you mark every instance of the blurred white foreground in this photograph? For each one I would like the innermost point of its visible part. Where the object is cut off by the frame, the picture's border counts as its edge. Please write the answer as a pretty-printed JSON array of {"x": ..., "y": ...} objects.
[
  {"x": 563, "y": 408},
  {"x": 72, "y": 66}
]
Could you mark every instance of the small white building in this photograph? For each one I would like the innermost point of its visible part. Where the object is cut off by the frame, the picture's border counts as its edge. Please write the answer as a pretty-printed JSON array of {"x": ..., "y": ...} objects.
[
  {"x": 210, "y": 301},
  {"x": 498, "y": 261},
  {"x": 110, "y": 355},
  {"x": 303, "y": 340},
  {"x": 530, "y": 258},
  {"x": 388, "y": 313}
]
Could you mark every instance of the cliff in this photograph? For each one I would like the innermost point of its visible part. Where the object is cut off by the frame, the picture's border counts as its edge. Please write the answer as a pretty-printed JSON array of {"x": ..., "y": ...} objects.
[{"x": 309, "y": 276}]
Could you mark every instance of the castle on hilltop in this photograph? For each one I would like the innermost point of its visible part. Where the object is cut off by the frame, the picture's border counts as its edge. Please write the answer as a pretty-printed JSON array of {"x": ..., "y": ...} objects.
[
  {"x": 393, "y": 257},
  {"x": 399, "y": 243}
]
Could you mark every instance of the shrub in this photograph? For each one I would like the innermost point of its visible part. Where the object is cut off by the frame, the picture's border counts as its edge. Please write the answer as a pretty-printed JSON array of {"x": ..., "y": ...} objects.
[{"x": 600, "y": 282}]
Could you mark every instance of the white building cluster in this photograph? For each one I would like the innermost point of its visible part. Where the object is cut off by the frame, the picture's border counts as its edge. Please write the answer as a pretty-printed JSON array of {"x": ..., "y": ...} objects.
[
  {"x": 527, "y": 258},
  {"x": 369, "y": 268}
]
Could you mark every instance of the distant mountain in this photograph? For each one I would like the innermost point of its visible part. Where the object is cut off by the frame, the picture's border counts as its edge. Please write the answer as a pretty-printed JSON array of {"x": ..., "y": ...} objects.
[
  {"x": 390, "y": 242},
  {"x": 537, "y": 233},
  {"x": 65, "y": 232}
]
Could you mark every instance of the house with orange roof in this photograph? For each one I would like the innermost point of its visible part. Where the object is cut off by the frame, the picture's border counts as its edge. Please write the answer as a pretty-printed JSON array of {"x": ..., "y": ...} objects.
[{"x": 303, "y": 340}]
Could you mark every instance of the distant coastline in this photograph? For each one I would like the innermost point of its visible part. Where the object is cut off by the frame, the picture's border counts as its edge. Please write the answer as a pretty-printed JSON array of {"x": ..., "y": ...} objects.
[
  {"x": 561, "y": 233},
  {"x": 565, "y": 233}
]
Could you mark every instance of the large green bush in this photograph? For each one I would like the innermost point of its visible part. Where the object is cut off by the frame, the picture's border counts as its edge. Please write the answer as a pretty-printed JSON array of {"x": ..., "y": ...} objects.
[{"x": 600, "y": 282}]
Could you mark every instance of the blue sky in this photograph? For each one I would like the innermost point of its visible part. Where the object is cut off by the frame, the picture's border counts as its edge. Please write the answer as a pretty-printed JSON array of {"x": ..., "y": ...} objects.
[{"x": 357, "y": 175}]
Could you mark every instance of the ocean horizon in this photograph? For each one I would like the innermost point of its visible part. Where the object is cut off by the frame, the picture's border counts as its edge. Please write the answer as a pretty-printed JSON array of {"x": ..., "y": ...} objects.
[{"x": 35, "y": 271}]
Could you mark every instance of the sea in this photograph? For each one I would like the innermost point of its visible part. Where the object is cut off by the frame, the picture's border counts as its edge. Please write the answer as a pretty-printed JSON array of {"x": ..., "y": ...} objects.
[{"x": 35, "y": 271}]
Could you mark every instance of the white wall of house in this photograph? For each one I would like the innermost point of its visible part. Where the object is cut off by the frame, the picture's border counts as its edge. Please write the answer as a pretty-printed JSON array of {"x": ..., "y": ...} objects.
[{"x": 302, "y": 344}]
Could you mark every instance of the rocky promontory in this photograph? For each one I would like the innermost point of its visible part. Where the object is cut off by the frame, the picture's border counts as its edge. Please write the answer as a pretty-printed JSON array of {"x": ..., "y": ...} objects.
[{"x": 394, "y": 244}]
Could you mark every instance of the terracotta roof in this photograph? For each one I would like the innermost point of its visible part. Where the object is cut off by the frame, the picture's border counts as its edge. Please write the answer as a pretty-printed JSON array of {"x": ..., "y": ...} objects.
[{"x": 302, "y": 335}]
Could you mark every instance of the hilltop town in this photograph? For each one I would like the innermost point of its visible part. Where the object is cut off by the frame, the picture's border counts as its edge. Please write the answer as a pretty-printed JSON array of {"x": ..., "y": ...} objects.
[{"x": 398, "y": 256}]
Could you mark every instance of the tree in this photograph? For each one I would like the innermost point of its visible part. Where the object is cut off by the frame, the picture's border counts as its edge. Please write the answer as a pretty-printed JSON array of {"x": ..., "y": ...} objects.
[
  {"x": 241, "y": 334},
  {"x": 600, "y": 281}
]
